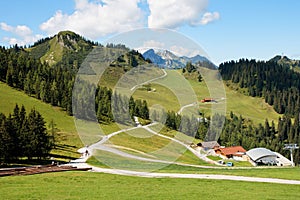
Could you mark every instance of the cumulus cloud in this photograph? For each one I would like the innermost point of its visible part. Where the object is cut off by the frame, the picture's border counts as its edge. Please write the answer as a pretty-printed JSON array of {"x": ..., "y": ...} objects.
[
  {"x": 21, "y": 34},
  {"x": 97, "y": 18},
  {"x": 174, "y": 13},
  {"x": 209, "y": 17}
]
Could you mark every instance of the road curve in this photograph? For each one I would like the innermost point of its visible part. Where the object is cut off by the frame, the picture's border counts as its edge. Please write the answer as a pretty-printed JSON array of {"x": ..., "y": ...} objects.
[
  {"x": 154, "y": 79},
  {"x": 81, "y": 162}
]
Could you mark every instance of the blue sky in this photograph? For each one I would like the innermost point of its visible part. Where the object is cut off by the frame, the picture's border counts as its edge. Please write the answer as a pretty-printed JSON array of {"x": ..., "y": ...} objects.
[{"x": 226, "y": 30}]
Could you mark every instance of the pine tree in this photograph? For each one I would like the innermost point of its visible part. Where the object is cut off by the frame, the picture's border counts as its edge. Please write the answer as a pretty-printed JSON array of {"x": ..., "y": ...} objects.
[
  {"x": 6, "y": 142},
  {"x": 40, "y": 141},
  {"x": 144, "y": 110}
]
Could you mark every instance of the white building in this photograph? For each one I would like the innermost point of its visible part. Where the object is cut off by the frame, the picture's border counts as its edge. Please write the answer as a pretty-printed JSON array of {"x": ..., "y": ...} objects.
[
  {"x": 282, "y": 161},
  {"x": 263, "y": 156}
]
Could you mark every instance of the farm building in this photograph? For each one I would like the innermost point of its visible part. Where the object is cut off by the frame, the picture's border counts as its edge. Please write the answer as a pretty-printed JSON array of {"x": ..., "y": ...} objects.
[
  {"x": 262, "y": 156},
  {"x": 235, "y": 152},
  {"x": 209, "y": 145},
  {"x": 205, "y": 100}
]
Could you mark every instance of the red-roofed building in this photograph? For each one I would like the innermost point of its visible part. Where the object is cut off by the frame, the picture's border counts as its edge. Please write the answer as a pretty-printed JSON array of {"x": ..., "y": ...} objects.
[
  {"x": 207, "y": 100},
  {"x": 231, "y": 152}
]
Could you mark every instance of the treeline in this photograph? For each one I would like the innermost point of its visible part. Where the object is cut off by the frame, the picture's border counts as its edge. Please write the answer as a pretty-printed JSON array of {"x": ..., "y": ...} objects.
[
  {"x": 185, "y": 124},
  {"x": 237, "y": 130},
  {"x": 108, "y": 106},
  {"x": 240, "y": 131},
  {"x": 278, "y": 84},
  {"x": 112, "y": 107},
  {"x": 189, "y": 125},
  {"x": 24, "y": 135}
]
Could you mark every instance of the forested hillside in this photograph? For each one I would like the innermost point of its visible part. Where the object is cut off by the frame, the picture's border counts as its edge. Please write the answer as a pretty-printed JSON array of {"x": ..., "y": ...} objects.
[
  {"x": 240, "y": 131},
  {"x": 277, "y": 83},
  {"x": 52, "y": 80}
]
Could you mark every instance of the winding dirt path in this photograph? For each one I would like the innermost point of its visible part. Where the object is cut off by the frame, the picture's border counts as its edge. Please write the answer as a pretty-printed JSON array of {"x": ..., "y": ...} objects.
[{"x": 81, "y": 162}]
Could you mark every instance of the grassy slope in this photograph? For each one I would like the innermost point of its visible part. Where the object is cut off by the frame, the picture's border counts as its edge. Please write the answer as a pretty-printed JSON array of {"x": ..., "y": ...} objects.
[
  {"x": 253, "y": 108},
  {"x": 145, "y": 144},
  {"x": 162, "y": 96},
  {"x": 87, "y": 185},
  {"x": 69, "y": 141},
  {"x": 54, "y": 54},
  {"x": 250, "y": 107},
  {"x": 67, "y": 136},
  {"x": 174, "y": 134}
]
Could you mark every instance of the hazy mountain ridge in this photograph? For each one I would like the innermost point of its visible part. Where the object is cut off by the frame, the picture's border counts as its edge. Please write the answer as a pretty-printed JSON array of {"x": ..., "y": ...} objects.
[{"x": 167, "y": 59}]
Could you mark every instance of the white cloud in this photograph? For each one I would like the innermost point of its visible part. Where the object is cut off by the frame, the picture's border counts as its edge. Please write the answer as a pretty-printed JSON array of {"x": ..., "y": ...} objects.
[
  {"x": 6, "y": 27},
  {"x": 97, "y": 18},
  {"x": 174, "y": 13},
  {"x": 182, "y": 51},
  {"x": 176, "y": 49},
  {"x": 150, "y": 44},
  {"x": 21, "y": 34},
  {"x": 209, "y": 17},
  {"x": 23, "y": 30},
  {"x": 153, "y": 44}
]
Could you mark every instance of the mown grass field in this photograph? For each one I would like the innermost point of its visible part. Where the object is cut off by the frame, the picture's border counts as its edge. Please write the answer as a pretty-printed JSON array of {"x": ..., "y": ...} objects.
[
  {"x": 88, "y": 185},
  {"x": 262, "y": 172},
  {"x": 274, "y": 172}
]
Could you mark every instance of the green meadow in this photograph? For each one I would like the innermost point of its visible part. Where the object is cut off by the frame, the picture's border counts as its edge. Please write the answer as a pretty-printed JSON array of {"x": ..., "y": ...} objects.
[
  {"x": 88, "y": 185},
  {"x": 253, "y": 108}
]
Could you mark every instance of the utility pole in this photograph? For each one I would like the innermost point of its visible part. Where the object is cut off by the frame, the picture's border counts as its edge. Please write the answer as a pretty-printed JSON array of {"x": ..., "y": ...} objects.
[{"x": 291, "y": 147}]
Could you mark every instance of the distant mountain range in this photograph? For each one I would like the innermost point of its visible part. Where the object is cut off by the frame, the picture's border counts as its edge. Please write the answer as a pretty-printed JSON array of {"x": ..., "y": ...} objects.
[{"x": 167, "y": 59}]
